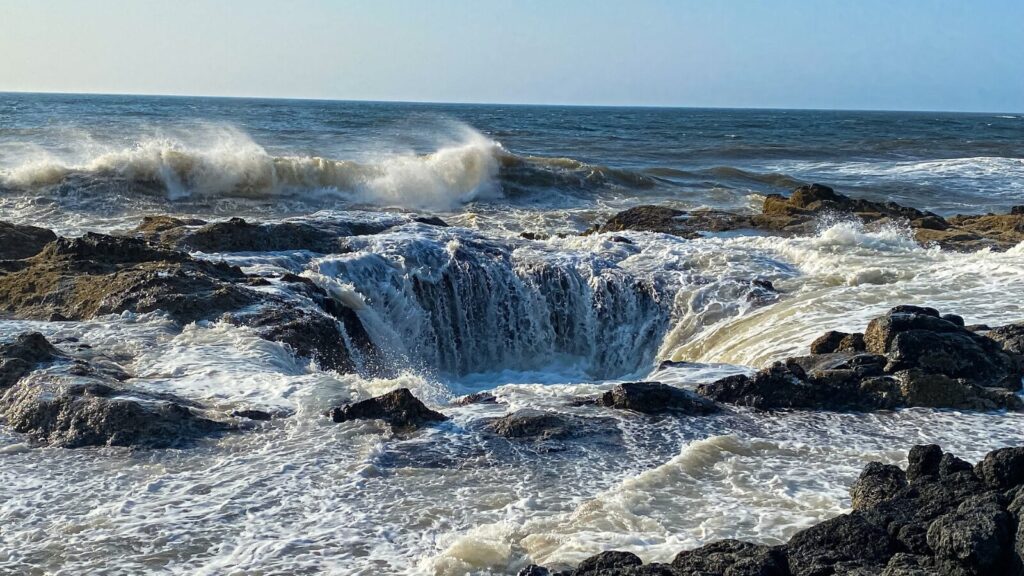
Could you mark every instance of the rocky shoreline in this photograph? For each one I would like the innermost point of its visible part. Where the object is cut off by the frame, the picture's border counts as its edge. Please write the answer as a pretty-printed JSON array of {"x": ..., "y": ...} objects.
[{"x": 938, "y": 516}]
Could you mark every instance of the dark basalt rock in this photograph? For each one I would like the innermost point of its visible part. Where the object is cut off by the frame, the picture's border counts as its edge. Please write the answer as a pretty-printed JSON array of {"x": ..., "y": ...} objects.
[
  {"x": 656, "y": 398},
  {"x": 909, "y": 357},
  {"x": 21, "y": 356},
  {"x": 607, "y": 562},
  {"x": 732, "y": 558},
  {"x": 476, "y": 398},
  {"x": 399, "y": 408},
  {"x": 877, "y": 483},
  {"x": 239, "y": 235},
  {"x": 675, "y": 222},
  {"x": 944, "y": 521},
  {"x": 19, "y": 241},
  {"x": 543, "y": 427},
  {"x": 98, "y": 274},
  {"x": 59, "y": 400}
]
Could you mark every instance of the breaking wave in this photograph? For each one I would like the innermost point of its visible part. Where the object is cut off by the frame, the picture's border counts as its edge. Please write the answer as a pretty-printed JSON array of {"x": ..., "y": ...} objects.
[{"x": 227, "y": 162}]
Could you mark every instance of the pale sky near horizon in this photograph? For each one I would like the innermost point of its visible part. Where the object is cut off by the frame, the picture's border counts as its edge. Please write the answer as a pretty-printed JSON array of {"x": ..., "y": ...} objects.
[{"x": 864, "y": 54}]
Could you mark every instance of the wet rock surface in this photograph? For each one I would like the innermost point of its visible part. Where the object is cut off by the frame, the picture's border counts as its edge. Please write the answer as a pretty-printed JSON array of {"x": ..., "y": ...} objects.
[
  {"x": 97, "y": 274},
  {"x": 655, "y": 398},
  {"x": 911, "y": 356},
  {"x": 19, "y": 241},
  {"x": 323, "y": 235},
  {"x": 541, "y": 426},
  {"x": 398, "y": 408},
  {"x": 802, "y": 211},
  {"x": 59, "y": 400},
  {"x": 940, "y": 516}
]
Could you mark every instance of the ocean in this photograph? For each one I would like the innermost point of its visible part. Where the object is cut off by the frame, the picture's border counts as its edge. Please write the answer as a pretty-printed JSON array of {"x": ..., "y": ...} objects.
[{"x": 539, "y": 320}]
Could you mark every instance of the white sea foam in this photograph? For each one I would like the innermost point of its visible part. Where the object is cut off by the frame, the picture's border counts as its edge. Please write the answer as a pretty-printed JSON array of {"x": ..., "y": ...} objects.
[{"x": 221, "y": 160}]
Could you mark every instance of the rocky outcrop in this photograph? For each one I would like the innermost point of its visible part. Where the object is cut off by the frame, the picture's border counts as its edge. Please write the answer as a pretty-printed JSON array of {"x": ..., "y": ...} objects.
[
  {"x": 398, "y": 408},
  {"x": 60, "y": 400},
  {"x": 544, "y": 427},
  {"x": 97, "y": 274},
  {"x": 801, "y": 212},
  {"x": 939, "y": 517},
  {"x": 323, "y": 235},
  {"x": 19, "y": 241},
  {"x": 656, "y": 398},
  {"x": 80, "y": 278},
  {"x": 911, "y": 356}
]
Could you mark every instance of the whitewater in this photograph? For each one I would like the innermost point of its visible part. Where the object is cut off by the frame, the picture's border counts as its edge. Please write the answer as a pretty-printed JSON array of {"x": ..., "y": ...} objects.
[{"x": 510, "y": 298}]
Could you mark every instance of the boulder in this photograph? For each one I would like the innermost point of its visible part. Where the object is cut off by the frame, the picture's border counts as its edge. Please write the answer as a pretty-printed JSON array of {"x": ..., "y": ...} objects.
[
  {"x": 607, "y": 563},
  {"x": 59, "y": 400},
  {"x": 21, "y": 356},
  {"x": 977, "y": 537},
  {"x": 732, "y": 558},
  {"x": 19, "y": 241},
  {"x": 849, "y": 541},
  {"x": 96, "y": 274},
  {"x": 399, "y": 408},
  {"x": 550, "y": 429},
  {"x": 476, "y": 398},
  {"x": 1002, "y": 469},
  {"x": 656, "y": 398},
  {"x": 828, "y": 342},
  {"x": 876, "y": 484}
]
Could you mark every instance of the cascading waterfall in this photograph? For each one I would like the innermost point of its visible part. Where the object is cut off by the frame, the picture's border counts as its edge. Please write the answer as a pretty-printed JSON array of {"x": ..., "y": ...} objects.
[{"x": 460, "y": 303}]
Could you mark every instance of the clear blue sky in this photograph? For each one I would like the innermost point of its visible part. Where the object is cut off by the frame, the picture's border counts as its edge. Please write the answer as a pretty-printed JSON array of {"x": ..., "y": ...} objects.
[{"x": 862, "y": 54}]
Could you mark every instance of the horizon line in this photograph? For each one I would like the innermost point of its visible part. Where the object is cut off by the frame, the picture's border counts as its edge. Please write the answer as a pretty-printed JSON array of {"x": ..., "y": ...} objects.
[{"x": 491, "y": 103}]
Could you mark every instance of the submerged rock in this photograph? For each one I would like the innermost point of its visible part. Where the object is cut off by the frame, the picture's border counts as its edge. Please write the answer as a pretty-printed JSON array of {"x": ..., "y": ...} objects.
[
  {"x": 655, "y": 398},
  {"x": 59, "y": 400},
  {"x": 18, "y": 241},
  {"x": 542, "y": 426},
  {"x": 911, "y": 356},
  {"x": 398, "y": 408},
  {"x": 937, "y": 518}
]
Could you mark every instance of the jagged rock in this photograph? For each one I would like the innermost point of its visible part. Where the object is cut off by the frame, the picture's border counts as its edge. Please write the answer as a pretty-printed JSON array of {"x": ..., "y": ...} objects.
[
  {"x": 399, "y": 408},
  {"x": 98, "y": 274},
  {"x": 21, "y": 356},
  {"x": 849, "y": 541},
  {"x": 1002, "y": 469},
  {"x": 1010, "y": 337},
  {"x": 607, "y": 563},
  {"x": 655, "y": 398},
  {"x": 911, "y": 357},
  {"x": 69, "y": 402},
  {"x": 476, "y": 398},
  {"x": 534, "y": 570},
  {"x": 977, "y": 537},
  {"x": 20, "y": 241},
  {"x": 877, "y": 483},
  {"x": 675, "y": 222},
  {"x": 828, "y": 342},
  {"x": 732, "y": 558},
  {"x": 540, "y": 426},
  {"x": 800, "y": 212}
]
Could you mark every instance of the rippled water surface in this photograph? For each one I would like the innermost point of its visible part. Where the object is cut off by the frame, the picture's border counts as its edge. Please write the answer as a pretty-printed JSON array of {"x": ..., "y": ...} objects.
[{"x": 477, "y": 307}]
